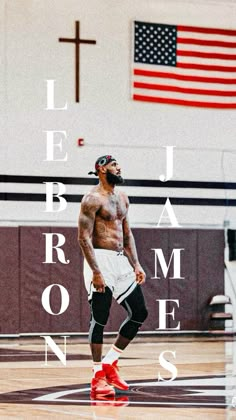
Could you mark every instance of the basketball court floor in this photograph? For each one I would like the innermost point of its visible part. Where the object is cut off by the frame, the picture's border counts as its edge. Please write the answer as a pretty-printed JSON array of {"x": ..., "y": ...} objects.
[{"x": 205, "y": 386}]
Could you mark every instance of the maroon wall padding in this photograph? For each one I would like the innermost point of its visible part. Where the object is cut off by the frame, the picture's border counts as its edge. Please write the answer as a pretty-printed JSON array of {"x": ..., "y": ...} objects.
[
  {"x": 146, "y": 240},
  {"x": 76, "y": 318},
  {"x": 25, "y": 277},
  {"x": 210, "y": 257},
  {"x": 185, "y": 289},
  {"x": 35, "y": 276},
  {"x": 9, "y": 275}
]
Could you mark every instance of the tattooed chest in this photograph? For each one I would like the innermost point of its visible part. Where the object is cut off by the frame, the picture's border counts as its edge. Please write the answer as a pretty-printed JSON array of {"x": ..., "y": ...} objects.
[{"x": 113, "y": 209}]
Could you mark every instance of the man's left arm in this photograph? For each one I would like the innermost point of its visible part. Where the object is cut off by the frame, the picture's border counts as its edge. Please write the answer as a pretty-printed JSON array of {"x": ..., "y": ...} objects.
[{"x": 131, "y": 252}]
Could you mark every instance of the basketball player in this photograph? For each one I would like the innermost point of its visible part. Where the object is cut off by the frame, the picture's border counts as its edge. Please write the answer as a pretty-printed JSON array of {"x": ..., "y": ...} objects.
[{"x": 111, "y": 269}]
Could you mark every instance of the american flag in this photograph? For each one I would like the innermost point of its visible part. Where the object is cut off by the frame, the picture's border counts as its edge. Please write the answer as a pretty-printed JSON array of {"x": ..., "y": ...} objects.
[{"x": 184, "y": 65}]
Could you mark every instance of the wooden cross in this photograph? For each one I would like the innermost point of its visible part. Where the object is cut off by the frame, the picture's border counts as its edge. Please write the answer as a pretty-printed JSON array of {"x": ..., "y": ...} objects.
[{"x": 77, "y": 41}]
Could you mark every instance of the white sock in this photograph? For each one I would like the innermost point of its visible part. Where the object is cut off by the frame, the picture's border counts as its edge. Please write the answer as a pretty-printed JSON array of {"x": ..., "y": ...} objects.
[
  {"x": 97, "y": 366},
  {"x": 112, "y": 355}
]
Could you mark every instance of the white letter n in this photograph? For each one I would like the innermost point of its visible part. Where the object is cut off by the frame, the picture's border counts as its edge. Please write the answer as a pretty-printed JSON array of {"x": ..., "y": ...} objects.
[{"x": 55, "y": 348}]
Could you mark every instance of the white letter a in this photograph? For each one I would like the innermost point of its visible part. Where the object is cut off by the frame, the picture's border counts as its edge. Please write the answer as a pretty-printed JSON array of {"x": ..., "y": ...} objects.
[{"x": 171, "y": 215}]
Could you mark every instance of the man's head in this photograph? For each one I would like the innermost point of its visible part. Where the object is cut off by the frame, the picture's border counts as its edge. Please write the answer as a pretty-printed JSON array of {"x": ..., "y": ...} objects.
[{"x": 106, "y": 167}]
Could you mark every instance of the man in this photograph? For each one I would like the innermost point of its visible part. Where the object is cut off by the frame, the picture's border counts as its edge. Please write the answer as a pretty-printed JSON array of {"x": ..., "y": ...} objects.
[{"x": 111, "y": 268}]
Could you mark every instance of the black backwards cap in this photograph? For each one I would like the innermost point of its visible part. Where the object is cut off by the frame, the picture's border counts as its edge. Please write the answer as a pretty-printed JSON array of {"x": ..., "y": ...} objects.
[{"x": 101, "y": 161}]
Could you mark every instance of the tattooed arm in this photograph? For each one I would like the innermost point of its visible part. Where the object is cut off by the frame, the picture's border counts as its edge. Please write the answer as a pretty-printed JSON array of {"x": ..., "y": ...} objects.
[
  {"x": 131, "y": 252},
  {"x": 89, "y": 206}
]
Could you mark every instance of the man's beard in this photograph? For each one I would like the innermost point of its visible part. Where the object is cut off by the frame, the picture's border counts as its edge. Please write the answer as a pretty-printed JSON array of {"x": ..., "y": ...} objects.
[{"x": 114, "y": 179}]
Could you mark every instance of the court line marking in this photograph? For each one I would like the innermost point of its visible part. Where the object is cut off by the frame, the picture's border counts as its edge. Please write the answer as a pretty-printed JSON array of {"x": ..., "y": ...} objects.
[
  {"x": 212, "y": 404},
  {"x": 217, "y": 381},
  {"x": 74, "y": 413}
]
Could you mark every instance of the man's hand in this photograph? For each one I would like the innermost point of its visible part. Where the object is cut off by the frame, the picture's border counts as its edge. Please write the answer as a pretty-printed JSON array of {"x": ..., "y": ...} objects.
[
  {"x": 140, "y": 275},
  {"x": 98, "y": 282}
]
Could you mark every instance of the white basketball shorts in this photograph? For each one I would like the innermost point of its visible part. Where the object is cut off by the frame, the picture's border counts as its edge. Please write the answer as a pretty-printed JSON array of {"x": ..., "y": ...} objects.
[{"x": 117, "y": 272}]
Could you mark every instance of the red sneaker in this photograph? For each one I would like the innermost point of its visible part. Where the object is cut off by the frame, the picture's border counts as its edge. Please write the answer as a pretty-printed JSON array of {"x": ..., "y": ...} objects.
[
  {"x": 113, "y": 377},
  {"x": 100, "y": 387},
  {"x": 122, "y": 401}
]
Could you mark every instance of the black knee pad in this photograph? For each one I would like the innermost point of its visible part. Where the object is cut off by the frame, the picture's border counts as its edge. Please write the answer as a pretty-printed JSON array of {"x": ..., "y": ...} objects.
[
  {"x": 137, "y": 313},
  {"x": 135, "y": 305},
  {"x": 129, "y": 329},
  {"x": 96, "y": 333},
  {"x": 100, "y": 308}
]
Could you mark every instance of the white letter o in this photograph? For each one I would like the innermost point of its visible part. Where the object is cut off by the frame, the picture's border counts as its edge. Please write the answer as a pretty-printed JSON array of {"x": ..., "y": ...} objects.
[{"x": 65, "y": 299}]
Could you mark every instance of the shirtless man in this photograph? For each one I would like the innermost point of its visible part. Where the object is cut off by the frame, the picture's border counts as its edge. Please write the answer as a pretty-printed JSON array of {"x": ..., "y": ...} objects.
[{"x": 111, "y": 268}]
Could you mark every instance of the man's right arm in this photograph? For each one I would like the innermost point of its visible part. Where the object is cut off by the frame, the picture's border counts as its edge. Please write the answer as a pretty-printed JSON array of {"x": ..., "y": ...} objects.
[{"x": 89, "y": 206}]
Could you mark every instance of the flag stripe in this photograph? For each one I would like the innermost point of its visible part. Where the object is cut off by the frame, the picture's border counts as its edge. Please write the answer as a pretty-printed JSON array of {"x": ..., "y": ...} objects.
[
  {"x": 216, "y": 31},
  {"x": 141, "y": 85},
  {"x": 207, "y": 47},
  {"x": 173, "y": 101},
  {"x": 188, "y": 96},
  {"x": 185, "y": 84},
  {"x": 202, "y": 54},
  {"x": 152, "y": 73},
  {"x": 208, "y": 42},
  {"x": 206, "y": 67},
  {"x": 207, "y": 61}
]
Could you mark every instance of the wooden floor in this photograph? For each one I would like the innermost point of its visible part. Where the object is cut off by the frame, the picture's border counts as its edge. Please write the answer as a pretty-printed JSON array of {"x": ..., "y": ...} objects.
[{"x": 204, "y": 388}]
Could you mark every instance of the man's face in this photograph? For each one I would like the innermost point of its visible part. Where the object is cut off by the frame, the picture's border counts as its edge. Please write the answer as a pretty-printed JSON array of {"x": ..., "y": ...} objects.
[{"x": 113, "y": 173}]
